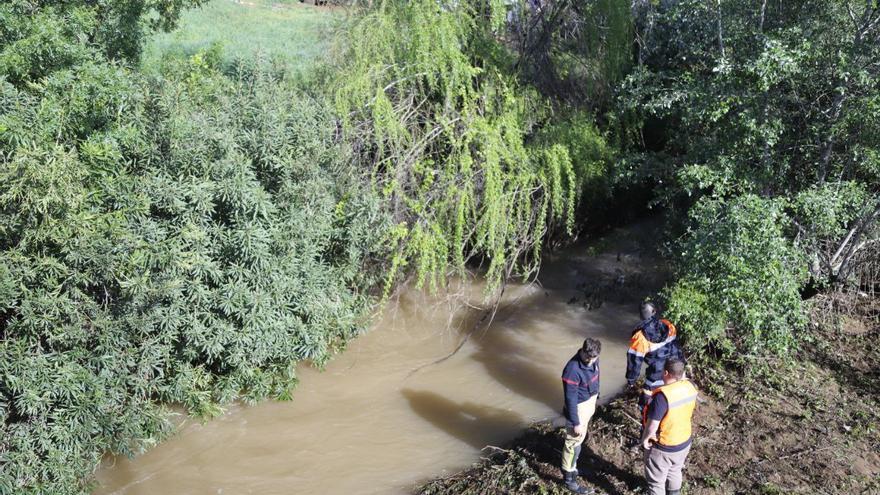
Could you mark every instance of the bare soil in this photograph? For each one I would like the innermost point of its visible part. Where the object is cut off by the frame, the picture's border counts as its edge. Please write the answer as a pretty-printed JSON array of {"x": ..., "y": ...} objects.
[{"x": 810, "y": 425}]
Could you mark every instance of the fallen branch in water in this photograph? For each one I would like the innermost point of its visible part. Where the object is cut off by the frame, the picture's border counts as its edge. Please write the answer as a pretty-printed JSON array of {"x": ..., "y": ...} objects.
[
  {"x": 490, "y": 314},
  {"x": 461, "y": 344}
]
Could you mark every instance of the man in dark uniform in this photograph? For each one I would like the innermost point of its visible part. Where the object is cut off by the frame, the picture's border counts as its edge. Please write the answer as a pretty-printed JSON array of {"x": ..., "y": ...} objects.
[
  {"x": 580, "y": 386},
  {"x": 653, "y": 342}
]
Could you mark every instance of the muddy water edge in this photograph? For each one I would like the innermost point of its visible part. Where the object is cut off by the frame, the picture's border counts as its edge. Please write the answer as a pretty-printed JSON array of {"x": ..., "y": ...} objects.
[{"x": 386, "y": 415}]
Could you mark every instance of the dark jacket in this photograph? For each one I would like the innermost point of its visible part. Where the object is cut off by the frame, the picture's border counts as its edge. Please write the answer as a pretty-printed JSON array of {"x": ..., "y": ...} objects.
[
  {"x": 653, "y": 342},
  {"x": 580, "y": 381}
]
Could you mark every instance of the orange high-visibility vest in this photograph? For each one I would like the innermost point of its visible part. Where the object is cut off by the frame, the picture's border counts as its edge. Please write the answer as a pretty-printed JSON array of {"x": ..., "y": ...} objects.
[
  {"x": 675, "y": 427},
  {"x": 640, "y": 345}
]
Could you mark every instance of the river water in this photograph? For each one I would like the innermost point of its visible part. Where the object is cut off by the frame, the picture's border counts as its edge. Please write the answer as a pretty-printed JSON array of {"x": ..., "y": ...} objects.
[{"x": 381, "y": 417}]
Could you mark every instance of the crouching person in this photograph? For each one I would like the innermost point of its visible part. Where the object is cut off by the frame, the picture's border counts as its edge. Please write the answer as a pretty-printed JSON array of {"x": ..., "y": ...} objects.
[
  {"x": 580, "y": 384},
  {"x": 666, "y": 434}
]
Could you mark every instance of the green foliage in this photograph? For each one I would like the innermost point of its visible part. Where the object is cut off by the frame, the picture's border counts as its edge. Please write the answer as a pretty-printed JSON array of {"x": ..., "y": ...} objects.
[
  {"x": 180, "y": 240},
  {"x": 769, "y": 488},
  {"x": 771, "y": 102},
  {"x": 738, "y": 279},
  {"x": 590, "y": 155},
  {"x": 827, "y": 213},
  {"x": 38, "y": 37},
  {"x": 574, "y": 51},
  {"x": 428, "y": 102},
  {"x": 830, "y": 207},
  {"x": 735, "y": 100},
  {"x": 712, "y": 481}
]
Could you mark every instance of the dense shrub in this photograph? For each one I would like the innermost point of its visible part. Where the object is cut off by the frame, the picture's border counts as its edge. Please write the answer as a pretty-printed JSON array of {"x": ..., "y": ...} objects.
[
  {"x": 573, "y": 51},
  {"x": 833, "y": 223},
  {"x": 591, "y": 156},
  {"x": 738, "y": 279},
  {"x": 38, "y": 37},
  {"x": 183, "y": 240}
]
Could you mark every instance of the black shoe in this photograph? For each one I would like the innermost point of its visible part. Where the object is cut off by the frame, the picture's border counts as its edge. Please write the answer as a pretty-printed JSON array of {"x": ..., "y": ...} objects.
[{"x": 571, "y": 482}]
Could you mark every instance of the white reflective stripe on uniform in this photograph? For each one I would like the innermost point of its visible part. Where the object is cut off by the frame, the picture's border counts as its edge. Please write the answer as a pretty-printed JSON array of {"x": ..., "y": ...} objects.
[
  {"x": 658, "y": 345},
  {"x": 633, "y": 351},
  {"x": 683, "y": 401}
]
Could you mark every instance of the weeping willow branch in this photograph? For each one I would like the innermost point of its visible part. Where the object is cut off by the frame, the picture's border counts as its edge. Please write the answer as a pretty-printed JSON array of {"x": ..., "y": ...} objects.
[{"x": 446, "y": 129}]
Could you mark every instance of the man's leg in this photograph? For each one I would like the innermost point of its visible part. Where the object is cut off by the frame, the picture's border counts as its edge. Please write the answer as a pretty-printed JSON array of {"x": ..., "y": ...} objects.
[
  {"x": 656, "y": 470},
  {"x": 586, "y": 410},
  {"x": 674, "y": 478},
  {"x": 571, "y": 449},
  {"x": 570, "y": 452}
]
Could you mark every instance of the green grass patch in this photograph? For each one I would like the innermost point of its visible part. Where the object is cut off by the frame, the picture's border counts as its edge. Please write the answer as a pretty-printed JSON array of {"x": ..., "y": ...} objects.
[{"x": 289, "y": 32}]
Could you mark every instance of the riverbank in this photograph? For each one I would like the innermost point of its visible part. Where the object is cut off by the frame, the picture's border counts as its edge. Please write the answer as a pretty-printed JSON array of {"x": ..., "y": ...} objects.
[{"x": 811, "y": 426}]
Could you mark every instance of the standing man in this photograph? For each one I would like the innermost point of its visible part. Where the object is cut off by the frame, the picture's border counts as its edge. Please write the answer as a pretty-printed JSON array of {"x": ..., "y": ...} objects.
[
  {"x": 653, "y": 342},
  {"x": 580, "y": 386},
  {"x": 666, "y": 426}
]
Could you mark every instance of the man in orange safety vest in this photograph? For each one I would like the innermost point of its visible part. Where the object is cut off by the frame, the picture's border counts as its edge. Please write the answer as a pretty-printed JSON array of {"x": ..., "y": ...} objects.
[{"x": 667, "y": 430}]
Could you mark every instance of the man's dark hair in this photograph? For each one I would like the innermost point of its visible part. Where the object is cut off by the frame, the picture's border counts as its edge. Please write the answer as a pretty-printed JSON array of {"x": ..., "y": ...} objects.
[
  {"x": 675, "y": 368},
  {"x": 649, "y": 304},
  {"x": 592, "y": 348}
]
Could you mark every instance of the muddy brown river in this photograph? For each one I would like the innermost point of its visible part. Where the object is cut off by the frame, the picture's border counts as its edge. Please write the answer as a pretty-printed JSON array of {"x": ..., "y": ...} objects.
[{"x": 381, "y": 417}]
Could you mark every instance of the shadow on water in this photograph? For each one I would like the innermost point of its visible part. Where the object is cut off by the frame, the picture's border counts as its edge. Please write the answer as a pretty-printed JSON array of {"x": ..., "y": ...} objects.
[
  {"x": 504, "y": 348},
  {"x": 475, "y": 424},
  {"x": 506, "y": 360}
]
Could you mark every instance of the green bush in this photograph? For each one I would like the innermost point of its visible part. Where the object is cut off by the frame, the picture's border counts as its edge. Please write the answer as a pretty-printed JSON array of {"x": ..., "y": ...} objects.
[
  {"x": 590, "y": 155},
  {"x": 738, "y": 279},
  {"x": 830, "y": 225},
  {"x": 39, "y": 37},
  {"x": 181, "y": 240},
  {"x": 574, "y": 51}
]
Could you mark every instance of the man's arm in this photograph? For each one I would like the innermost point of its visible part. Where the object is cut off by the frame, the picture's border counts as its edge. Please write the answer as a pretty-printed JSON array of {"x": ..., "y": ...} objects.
[
  {"x": 594, "y": 381},
  {"x": 634, "y": 357},
  {"x": 570, "y": 382},
  {"x": 650, "y": 433},
  {"x": 656, "y": 410}
]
